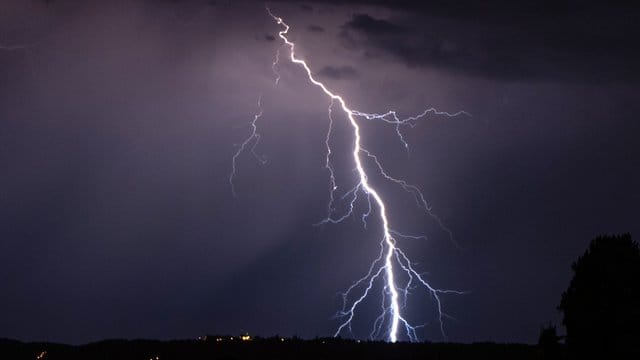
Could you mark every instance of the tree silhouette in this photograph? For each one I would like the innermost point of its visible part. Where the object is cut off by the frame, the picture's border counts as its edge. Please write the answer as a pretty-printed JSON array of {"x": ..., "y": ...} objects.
[
  {"x": 602, "y": 304},
  {"x": 549, "y": 342}
]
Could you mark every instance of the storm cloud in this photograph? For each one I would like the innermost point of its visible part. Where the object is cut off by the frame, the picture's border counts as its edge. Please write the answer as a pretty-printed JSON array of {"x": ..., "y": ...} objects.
[{"x": 514, "y": 41}]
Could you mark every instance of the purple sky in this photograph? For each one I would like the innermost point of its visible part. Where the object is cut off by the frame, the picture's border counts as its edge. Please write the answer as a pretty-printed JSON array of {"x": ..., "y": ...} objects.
[{"x": 118, "y": 122}]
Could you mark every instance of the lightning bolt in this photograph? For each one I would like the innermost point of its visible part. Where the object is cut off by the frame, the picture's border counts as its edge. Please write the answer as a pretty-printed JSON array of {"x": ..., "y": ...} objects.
[
  {"x": 391, "y": 258},
  {"x": 250, "y": 142}
]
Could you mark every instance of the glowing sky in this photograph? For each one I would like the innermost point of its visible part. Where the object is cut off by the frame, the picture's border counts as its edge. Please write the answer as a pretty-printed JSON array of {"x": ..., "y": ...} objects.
[{"x": 118, "y": 123}]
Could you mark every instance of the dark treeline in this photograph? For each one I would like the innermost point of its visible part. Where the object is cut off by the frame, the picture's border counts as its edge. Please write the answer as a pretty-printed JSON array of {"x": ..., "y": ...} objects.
[
  {"x": 259, "y": 348},
  {"x": 601, "y": 306},
  {"x": 601, "y": 314}
]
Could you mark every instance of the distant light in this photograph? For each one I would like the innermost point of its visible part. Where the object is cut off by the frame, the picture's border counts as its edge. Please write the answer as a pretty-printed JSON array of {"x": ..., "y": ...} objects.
[
  {"x": 42, "y": 355},
  {"x": 245, "y": 337},
  {"x": 281, "y": 339}
]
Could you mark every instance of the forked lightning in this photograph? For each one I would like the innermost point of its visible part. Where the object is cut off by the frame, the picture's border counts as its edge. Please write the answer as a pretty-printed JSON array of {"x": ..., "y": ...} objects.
[{"x": 390, "y": 323}]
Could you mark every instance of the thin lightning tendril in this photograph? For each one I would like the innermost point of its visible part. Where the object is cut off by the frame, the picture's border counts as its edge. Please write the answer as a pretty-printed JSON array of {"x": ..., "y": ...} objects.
[
  {"x": 253, "y": 139},
  {"x": 274, "y": 67},
  {"x": 394, "y": 296}
]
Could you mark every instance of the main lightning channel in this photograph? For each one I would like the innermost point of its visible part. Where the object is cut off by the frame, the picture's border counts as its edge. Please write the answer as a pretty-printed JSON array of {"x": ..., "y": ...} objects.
[
  {"x": 388, "y": 241},
  {"x": 364, "y": 182}
]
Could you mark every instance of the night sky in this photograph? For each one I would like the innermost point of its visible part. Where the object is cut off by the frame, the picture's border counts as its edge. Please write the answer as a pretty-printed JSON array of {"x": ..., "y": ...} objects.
[{"x": 118, "y": 122}]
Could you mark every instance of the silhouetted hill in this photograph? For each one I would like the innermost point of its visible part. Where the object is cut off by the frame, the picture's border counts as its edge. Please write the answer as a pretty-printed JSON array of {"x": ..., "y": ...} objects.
[{"x": 228, "y": 347}]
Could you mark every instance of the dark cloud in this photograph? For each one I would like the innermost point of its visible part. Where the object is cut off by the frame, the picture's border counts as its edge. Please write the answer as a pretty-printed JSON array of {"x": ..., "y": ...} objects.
[
  {"x": 338, "y": 72},
  {"x": 315, "y": 28},
  {"x": 371, "y": 26},
  {"x": 269, "y": 37},
  {"x": 564, "y": 41}
]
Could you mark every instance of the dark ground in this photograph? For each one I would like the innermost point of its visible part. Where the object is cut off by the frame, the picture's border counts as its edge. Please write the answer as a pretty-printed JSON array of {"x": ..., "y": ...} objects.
[{"x": 271, "y": 348}]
